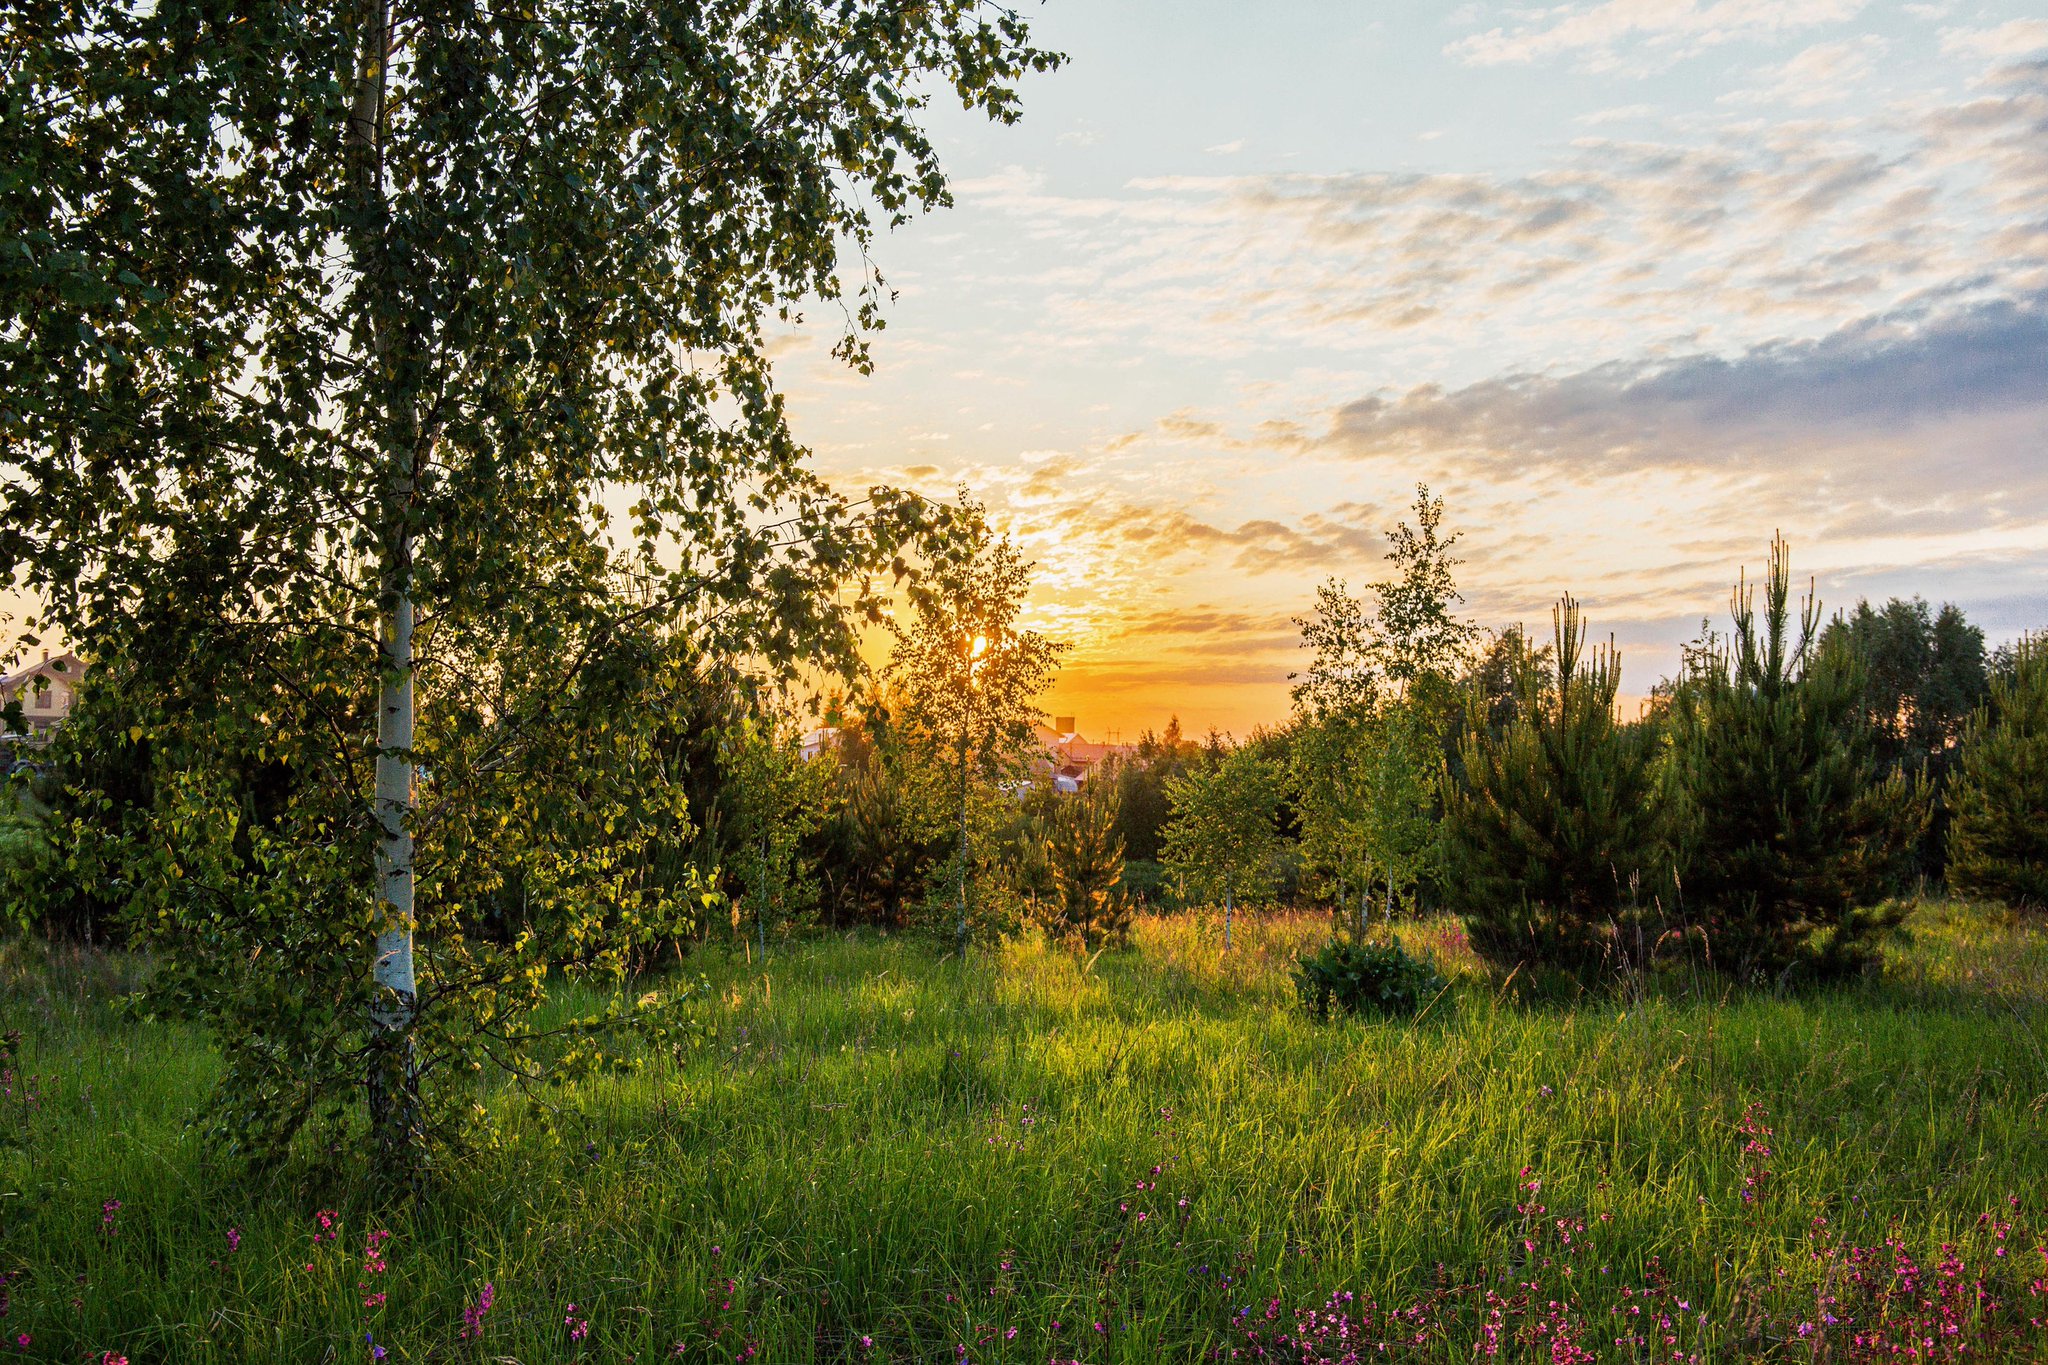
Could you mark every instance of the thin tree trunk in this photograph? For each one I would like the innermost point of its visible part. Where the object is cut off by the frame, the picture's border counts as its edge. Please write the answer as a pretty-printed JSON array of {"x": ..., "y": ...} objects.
[
  {"x": 1226, "y": 919},
  {"x": 393, "y": 1073},
  {"x": 761, "y": 902},
  {"x": 962, "y": 931}
]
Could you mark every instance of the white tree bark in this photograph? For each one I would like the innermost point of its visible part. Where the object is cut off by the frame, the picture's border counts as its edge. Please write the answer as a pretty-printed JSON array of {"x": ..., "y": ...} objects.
[
  {"x": 963, "y": 845},
  {"x": 397, "y": 988},
  {"x": 393, "y": 1076},
  {"x": 394, "y": 1067}
]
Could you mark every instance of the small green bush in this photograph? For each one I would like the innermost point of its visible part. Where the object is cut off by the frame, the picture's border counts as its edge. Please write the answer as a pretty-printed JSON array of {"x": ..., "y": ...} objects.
[{"x": 1352, "y": 976}]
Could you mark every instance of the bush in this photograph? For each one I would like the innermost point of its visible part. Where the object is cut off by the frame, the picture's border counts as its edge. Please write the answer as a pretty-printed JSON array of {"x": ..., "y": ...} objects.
[
  {"x": 1557, "y": 820},
  {"x": 1365, "y": 976},
  {"x": 1998, "y": 839}
]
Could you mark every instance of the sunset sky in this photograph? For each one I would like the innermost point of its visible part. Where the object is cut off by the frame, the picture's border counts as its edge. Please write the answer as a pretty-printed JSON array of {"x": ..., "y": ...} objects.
[{"x": 1632, "y": 284}]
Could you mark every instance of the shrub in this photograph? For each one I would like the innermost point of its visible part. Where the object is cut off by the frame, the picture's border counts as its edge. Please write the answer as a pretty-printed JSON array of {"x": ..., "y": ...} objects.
[
  {"x": 1365, "y": 976},
  {"x": 1556, "y": 820},
  {"x": 1998, "y": 840},
  {"x": 1793, "y": 837}
]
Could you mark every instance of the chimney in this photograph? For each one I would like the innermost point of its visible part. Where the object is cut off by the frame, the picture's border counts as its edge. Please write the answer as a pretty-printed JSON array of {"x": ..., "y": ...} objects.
[
  {"x": 46, "y": 656},
  {"x": 1064, "y": 724}
]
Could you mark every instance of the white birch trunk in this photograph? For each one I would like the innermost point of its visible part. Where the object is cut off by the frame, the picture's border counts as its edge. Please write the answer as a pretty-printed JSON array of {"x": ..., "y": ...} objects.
[
  {"x": 394, "y": 1066},
  {"x": 397, "y": 988},
  {"x": 1226, "y": 918},
  {"x": 393, "y": 1074},
  {"x": 963, "y": 846}
]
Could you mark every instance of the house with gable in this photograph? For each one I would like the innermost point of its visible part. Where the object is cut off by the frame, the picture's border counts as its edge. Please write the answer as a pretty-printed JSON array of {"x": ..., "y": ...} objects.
[{"x": 46, "y": 691}]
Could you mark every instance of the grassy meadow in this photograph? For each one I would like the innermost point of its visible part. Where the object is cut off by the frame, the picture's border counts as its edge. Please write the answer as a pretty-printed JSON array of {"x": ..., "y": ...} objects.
[{"x": 874, "y": 1155}]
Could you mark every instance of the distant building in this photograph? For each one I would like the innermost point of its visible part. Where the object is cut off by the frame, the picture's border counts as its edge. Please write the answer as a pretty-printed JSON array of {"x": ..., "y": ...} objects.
[
  {"x": 1069, "y": 757},
  {"x": 46, "y": 691},
  {"x": 818, "y": 741}
]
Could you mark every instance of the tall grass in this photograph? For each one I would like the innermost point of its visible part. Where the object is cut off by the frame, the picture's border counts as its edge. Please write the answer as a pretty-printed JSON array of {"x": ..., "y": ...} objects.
[{"x": 875, "y": 1154}]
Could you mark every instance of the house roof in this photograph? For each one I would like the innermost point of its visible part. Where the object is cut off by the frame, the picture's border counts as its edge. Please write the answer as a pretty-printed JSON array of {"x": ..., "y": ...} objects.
[{"x": 67, "y": 667}]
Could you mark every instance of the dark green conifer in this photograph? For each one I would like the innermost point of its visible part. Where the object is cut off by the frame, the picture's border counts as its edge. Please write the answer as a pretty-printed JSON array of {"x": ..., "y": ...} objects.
[
  {"x": 1998, "y": 837},
  {"x": 1557, "y": 819},
  {"x": 1793, "y": 836},
  {"x": 1084, "y": 858}
]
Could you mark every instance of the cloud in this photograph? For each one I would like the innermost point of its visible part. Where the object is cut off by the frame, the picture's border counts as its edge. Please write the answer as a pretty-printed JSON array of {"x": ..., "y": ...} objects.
[
  {"x": 1230, "y": 148},
  {"x": 1623, "y": 113},
  {"x": 1915, "y": 424},
  {"x": 1732, "y": 237},
  {"x": 1642, "y": 36},
  {"x": 2014, "y": 38},
  {"x": 1821, "y": 74}
]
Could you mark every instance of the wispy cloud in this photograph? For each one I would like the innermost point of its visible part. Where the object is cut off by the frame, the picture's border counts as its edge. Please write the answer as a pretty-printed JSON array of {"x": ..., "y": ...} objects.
[
  {"x": 1644, "y": 35},
  {"x": 1822, "y": 74},
  {"x": 2015, "y": 38},
  {"x": 1731, "y": 238}
]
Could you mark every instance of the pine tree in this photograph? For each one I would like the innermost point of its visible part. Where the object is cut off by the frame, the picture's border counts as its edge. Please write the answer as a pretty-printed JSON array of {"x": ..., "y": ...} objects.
[
  {"x": 1998, "y": 839},
  {"x": 1558, "y": 819},
  {"x": 1084, "y": 858},
  {"x": 1792, "y": 834}
]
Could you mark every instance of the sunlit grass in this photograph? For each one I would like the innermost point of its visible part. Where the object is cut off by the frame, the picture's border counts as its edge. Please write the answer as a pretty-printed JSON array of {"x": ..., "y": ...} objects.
[{"x": 874, "y": 1143}]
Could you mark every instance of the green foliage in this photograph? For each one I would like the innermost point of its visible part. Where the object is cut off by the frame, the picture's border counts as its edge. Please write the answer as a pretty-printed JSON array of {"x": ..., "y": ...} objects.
[
  {"x": 1224, "y": 837},
  {"x": 1344, "y": 672},
  {"x": 328, "y": 338},
  {"x": 969, "y": 676},
  {"x": 1921, "y": 674},
  {"x": 1998, "y": 790},
  {"x": 1557, "y": 821},
  {"x": 1792, "y": 834},
  {"x": 235, "y": 860},
  {"x": 1084, "y": 859},
  {"x": 1141, "y": 781},
  {"x": 775, "y": 801},
  {"x": 1492, "y": 688},
  {"x": 1409, "y": 639},
  {"x": 1373, "y": 713},
  {"x": 1365, "y": 976},
  {"x": 1423, "y": 643},
  {"x": 1366, "y": 792},
  {"x": 1147, "y": 883},
  {"x": 886, "y": 828}
]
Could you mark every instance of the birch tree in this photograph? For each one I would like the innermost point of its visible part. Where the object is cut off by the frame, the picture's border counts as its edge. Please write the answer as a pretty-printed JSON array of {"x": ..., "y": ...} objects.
[
  {"x": 1224, "y": 831},
  {"x": 969, "y": 674},
  {"x": 337, "y": 339}
]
